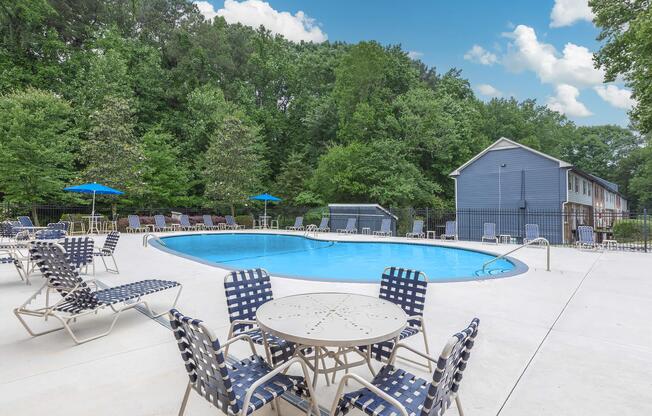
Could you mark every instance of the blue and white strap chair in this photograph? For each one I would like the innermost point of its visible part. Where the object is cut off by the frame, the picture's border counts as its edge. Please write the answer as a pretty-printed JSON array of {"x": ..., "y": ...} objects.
[
  {"x": 586, "y": 237},
  {"x": 50, "y": 234},
  {"x": 417, "y": 230},
  {"x": 489, "y": 232},
  {"x": 246, "y": 291},
  {"x": 231, "y": 224},
  {"x": 350, "y": 227},
  {"x": 80, "y": 252},
  {"x": 531, "y": 233},
  {"x": 451, "y": 231},
  {"x": 184, "y": 222},
  {"x": 134, "y": 224},
  {"x": 298, "y": 224},
  {"x": 68, "y": 297},
  {"x": 10, "y": 256},
  {"x": 26, "y": 221},
  {"x": 323, "y": 225},
  {"x": 208, "y": 223},
  {"x": 108, "y": 250},
  {"x": 394, "y": 391},
  {"x": 385, "y": 228},
  {"x": 236, "y": 388},
  {"x": 160, "y": 224},
  {"x": 407, "y": 288}
]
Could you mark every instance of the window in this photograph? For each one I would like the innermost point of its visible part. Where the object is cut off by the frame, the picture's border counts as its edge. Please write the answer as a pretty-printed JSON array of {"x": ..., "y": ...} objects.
[
  {"x": 584, "y": 187},
  {"x": 577, "y": 184},
  {"x": 570, "y": 182},
  {"x": 590, "y": 186}
]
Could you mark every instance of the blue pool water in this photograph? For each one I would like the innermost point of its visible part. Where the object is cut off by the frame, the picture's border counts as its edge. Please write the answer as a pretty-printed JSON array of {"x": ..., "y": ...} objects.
[{"x": 296, "y": 256}]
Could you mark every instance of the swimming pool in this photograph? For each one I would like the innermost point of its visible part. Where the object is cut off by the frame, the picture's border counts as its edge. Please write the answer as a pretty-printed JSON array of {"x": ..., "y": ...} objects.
[{"x": 308, "y": 258}]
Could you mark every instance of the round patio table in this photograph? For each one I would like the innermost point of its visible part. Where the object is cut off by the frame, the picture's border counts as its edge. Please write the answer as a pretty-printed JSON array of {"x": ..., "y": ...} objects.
[{"x": 343, "y": 321}]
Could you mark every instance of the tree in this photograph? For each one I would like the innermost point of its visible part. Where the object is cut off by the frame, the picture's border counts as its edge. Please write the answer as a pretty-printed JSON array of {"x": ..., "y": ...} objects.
[
  {"x": 112, "y": 154},
  {"x": 626, "y": 30},
  {"x": 291, "y": 181},
  {"x": 640, "y": 184},
  {"x": 376, "y": 172},
  {"x": 233, "y": 163},
  {"x": 36, "y": 141}
]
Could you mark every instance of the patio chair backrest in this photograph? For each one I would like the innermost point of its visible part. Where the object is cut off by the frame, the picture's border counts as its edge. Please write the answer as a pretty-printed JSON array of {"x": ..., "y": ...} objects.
[
  {"x": 50, "y": 234},
  {"x": 111, "y": 242},
  {"x": 58, "y": 226},
  {"x": 52, "y": 260},
  {"x": 386, "y": 225},
  {"x": 531, "y": 231},
  {"x": 205, "y": 364},
  {"x": 350, "y": 224},
  {"x": 184, "y": 220},
  {"x": 159, "y": 220},
  {"x": 134, "y": 221},
  {"x": 7, "y": 230},
  {"x": 208, "y": 220},
  {"x": 230, "y": 220},
  {"x": 79, "y": 250},
  {"x": 448, "y": 374},
  {"x": 585, "y": 234},
  {"x": 489, "y": 229},
  {"x": 25, "y": 221},
  {"x": 451, "y": 228},
  {"x": 298, "y": 222},
  {"x": 417, "y": 227},
  {"x": 324, "y": 222},
  {"x": 246, "y": 291},
  {"x": 405, "y": 287}
]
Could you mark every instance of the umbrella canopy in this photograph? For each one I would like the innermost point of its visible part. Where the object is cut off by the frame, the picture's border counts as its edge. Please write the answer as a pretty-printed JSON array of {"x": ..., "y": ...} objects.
[
  {"x": 265, "y": 197},
  {"x": 93, "y": 188}
]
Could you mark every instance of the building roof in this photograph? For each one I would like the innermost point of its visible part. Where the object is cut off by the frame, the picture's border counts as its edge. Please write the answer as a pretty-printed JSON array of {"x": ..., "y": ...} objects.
[
  {"x": 505, "y": 143},
  {"x": 386, "y": 211},
  {"x": 609, "y": 185}
]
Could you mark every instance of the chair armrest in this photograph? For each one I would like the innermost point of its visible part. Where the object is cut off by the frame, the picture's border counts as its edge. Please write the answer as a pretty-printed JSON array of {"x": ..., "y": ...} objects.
[
  {"x": 240, "y": 337},
  {"x": 371, "y": 387},
  {"x": 392, "y": 357},
  {"x": 241, "y": 322}
]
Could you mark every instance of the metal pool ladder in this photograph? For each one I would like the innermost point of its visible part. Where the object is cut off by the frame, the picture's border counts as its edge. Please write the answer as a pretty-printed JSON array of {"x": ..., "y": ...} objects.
[
  {"x": 536, "y": 240},
  {"x": 147, "y": 236}
]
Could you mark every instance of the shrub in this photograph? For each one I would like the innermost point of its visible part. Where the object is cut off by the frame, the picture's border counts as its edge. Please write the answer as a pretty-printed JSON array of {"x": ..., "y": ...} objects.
[
  {"x": 628, "y": 231},
  {"x": 246, "y": 220}
]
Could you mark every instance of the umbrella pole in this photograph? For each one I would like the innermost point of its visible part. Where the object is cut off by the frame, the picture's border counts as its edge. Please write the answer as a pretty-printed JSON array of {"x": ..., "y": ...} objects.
[
  {"x": 92, "y": 219},
  {"x": 265, "y": 214}
]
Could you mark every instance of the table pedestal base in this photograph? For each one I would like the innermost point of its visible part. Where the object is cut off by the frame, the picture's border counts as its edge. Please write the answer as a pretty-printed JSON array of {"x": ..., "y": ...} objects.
[{"x": 317, "y": 361}]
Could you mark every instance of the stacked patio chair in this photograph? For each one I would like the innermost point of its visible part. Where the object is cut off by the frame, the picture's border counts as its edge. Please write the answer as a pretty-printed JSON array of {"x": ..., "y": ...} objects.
[
  {"x": 489, "y": 232},
  {"x": 407, "y": 288},
  {"x": 298, "y": 224},
  {"x": 61, "y": 225},
  {"x": 134, "y": 224},
  {"x": 246, "y": 291},
  {"x": 26, "y": 222},
  {"x": 160, "y": 224},
  {"x": 417, "y": 230},
  {"x": 107, "y": 250},
  {"x": 385, "y": 228},
  {"x": 208, "y": 223},
  {"x": 8, "y": 231},
  {"x": 9, "y": 256},
  {"x": 394, "y": 391},
  {"x": 75, "y": 226},
  {"x": 323, "y": 225},
  {"x": 586, "y": 238},
  {"x": 350, "y": 227},
  {"x": 531, "y": 232},
  {"x": 236, "y": 388},
  {"x": 184, "y": 222},
  {"x": 76, "y": 298},
  {"x": 231, "y": 224},
  {"x": 451, "y": 231},
  {"x": 50, "y": 234},
  {"x": 79, "y": 252}
]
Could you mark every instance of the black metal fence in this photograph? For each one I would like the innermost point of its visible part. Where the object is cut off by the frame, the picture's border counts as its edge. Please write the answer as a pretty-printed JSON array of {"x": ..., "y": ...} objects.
[{"x": 617, "y": 230}]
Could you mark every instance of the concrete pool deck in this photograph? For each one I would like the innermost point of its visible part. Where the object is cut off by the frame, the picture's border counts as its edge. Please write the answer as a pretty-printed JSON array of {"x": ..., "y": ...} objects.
[{"x": 573, "y": 341}]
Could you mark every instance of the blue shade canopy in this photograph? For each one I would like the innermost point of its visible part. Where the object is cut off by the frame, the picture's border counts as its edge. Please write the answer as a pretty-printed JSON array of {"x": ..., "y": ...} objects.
[
  {"x": 93, "y": 188},
  {"x": 265, "y": 197}
]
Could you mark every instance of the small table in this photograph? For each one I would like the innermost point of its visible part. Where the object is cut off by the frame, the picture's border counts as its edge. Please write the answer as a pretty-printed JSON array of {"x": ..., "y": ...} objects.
[
  {"x": 366, "y": 230},
  {"x": 93, "y": 220},
  {"x": 431, "y": 233},
  {"x": 504, "y": 239},
  {"x": 337, "y": 320},
  {"x": 610, "y": 244}
]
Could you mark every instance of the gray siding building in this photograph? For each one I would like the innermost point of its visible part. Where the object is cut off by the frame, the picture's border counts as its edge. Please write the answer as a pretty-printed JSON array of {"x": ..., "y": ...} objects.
[{"x": 511, "y": 185}]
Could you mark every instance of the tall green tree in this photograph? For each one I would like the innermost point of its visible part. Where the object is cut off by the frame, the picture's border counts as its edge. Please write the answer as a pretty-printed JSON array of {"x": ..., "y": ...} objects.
[
  {"x": 290, "y": 182},
  {"x": 37, "y": 138},
  {"x": 233, "y": 163}
]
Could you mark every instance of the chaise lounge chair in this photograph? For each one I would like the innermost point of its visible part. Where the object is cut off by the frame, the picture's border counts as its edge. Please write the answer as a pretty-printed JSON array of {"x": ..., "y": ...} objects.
[
  {"x": 160, "y": 224},
  {"x": 298, "y": 224},
  {"x": 231, "y": 224},
  {"x": 323, "y": 225},
  {"x": 77, "y": 299},
  {"x": 184, "y": 222},
  {"x": 385, "y": 228},
  {"x": 237, "y": 388},
  {"x": 451, "y": 231},
  {"x": 208, "y": 223},
  {"x": 108, "y": 250},
  {"x": 586, "y": 238},
  {"x": 394, "y": 391},
  {"x": 531, "y": 233},
  {"x": 134, "y": 224},
  {"x": 350, "y": 227},
  {"x": 417, "y": 230},
  {"x": 489, "y": 232},
  {"x": 9, "y": 256}
]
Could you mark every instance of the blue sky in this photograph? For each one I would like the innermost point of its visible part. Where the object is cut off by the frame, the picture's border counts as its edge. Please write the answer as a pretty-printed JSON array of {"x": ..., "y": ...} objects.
[{"x": 505, "y": 48}]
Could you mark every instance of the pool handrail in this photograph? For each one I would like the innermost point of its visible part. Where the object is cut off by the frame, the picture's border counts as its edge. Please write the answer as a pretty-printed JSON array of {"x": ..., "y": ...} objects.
[
  {"x": 536, "y": 240},
  {"x": 147, "y": 236}
]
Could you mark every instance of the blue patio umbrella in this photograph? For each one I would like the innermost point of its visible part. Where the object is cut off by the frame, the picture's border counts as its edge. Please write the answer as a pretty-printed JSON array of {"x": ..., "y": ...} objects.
[
  {"x": 95, "y": 189},
  {"x": 265, "y": 197}
]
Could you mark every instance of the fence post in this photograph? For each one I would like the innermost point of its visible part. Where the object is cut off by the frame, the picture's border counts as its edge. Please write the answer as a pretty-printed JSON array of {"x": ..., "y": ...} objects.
[{"x": 645, "y": 229}]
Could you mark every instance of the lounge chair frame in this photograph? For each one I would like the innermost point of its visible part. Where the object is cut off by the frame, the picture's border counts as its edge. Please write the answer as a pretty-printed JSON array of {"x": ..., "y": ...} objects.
[
  {"x": 133, "y": 219},
  {"x": 417, "y": 231},
  {"x": 488, "y": 236},
  {"x": 323, "y": 225},
  {"x": 209, "y": 225},
  {"x": 385, "y": 228},
  {"x": 586, "y": 243},
  {"x": 298, "y": 225},
  {"x": 447, "y": 234},
  {"x": 108, "y": 250},
  {"x": 231, "y": 224},
  {"x": 350, "y": 227},
  {"x": 184, "y": 222},
  {"x": 63, "y": 279}
]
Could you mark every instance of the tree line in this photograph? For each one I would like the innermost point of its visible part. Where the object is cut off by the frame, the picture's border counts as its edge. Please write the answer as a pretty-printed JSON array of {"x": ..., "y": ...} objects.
[{"x": 151, "y": 98}]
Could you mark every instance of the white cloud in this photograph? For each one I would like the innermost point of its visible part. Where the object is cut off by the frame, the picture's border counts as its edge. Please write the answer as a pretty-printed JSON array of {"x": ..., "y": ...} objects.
[
  {"x": 565, "y": 102},
  {"x": 206, "y": 9},
  {"x": 567, "y": 12},
  {"x": 480, "y": 55},
  {"x": 415, "y": 54},
  {"x": 489, "y": 90},
  {"x": 574, "y": 66},
  {"x": 254, "y": 13},
  {"x": 618, "y": 97}
]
